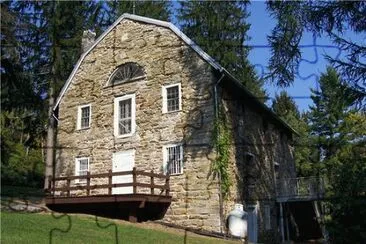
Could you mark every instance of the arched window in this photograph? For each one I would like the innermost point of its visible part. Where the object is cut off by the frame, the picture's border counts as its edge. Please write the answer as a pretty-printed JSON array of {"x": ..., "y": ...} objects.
[{"x": 126, "y": 72}]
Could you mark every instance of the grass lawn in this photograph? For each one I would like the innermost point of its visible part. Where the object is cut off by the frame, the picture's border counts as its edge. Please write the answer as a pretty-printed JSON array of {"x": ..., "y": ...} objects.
[{"x": 41, "y": 228}]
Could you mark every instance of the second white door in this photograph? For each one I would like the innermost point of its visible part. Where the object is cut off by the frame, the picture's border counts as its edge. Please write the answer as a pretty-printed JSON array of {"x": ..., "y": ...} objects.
[{"x": 123, "y": 161}]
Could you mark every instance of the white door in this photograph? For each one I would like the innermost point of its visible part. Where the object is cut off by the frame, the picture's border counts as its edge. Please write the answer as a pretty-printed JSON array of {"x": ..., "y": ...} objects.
[
  {"x": 252, "y": 223},
  {"x": 123, "y": 161}
]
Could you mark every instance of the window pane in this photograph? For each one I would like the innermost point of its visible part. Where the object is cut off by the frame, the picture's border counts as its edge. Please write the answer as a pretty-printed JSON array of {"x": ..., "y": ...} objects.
[
  {"x": 174, "y": 160},
  {"x": 125, "y": 121},
  {"x": 127, "y": 72},
  {"x": 85, "y": 113},
  {"x": 83, "y": 164},
  {"x": 83, "y": 168},
  {"x": 172, "y": 98}
]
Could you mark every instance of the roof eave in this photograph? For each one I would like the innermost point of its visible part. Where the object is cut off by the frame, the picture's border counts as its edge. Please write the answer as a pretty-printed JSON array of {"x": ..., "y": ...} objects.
[
  {"x": 161, "y": 23},
  {"x": 259, "y": 103}
]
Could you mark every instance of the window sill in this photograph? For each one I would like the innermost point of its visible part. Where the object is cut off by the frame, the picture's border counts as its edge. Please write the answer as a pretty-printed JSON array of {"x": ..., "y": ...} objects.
[
  {"x": 172, "y": 112},
  {"x": 82, "y": 129},
  {"x": 124, "y": 136},
  {"x": 177, "y": 174}
]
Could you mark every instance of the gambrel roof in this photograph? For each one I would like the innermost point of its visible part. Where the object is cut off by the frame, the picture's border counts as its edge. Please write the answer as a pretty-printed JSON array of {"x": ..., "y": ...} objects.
[{"x": 190, "y": 43}]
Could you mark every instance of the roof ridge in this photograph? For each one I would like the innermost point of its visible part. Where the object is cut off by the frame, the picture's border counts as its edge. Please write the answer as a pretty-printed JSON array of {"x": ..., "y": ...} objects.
[
  {"x": 179, "y": 33},
  {"x": 162, "y": 23}
]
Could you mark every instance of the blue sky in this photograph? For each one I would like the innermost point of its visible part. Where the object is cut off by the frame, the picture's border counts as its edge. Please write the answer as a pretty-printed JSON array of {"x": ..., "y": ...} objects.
[
  {"x": 313, "y": 62},
  {"x": 310, "y": 68}
]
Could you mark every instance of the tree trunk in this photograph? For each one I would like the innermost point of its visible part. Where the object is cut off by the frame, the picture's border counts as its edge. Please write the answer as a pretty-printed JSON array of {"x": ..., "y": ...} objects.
[{"x": 50, "y": 138}]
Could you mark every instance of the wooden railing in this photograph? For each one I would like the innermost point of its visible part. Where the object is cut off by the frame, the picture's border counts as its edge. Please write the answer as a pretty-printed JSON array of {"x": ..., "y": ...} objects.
[
  {"x": 52, "y": 189},
  {"x": 301, "y": 187}
]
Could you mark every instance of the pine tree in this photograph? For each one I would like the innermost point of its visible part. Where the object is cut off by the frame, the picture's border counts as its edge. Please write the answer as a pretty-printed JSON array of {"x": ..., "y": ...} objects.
[
  {"x": 331, "y": 103},
  {"x": 337, "y": 134},
  {"x": 51, "y": 37},
  {"x": 220, "y": 29},
  {"x": 285, "y": 107},
  {"x": 330, "y": 18},
  {"x": 21, "y": 106},
  {"x": 147, "y": 8}
]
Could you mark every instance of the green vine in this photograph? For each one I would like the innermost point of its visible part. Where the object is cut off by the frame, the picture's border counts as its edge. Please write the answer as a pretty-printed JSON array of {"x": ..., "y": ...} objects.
[{"x": 221, "y": 143}]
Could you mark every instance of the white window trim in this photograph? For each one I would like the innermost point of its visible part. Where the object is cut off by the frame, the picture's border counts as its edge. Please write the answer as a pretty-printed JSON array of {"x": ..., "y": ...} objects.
[
  {"x": 109, "y": 82},
  {"x": 165, "y": 157},
  {"x": 164, "y": 95},
  {"x": 77, "y": 167},
  {"x": 78, "y": 121},
  {"x": 133, "y": 114}
]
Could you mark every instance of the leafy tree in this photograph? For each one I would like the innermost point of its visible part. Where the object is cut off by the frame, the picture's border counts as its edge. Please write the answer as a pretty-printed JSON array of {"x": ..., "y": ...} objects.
[
  {"x": 330, "y": 18},
  {"x": 21, "y": 159},
  {"x": 220, "y": 28}
]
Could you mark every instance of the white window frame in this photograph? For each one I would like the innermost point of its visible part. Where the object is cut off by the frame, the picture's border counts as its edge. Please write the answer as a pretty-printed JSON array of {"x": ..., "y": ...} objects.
[
  {"x": 77, "y": 168},
  {"x": 78, "y": 125},
  {"x": 165, "y": 157},
  {"x": 267, "y": 217},
  {"x": 164, "y": 95},
  {"x": 117, "y": 100}
]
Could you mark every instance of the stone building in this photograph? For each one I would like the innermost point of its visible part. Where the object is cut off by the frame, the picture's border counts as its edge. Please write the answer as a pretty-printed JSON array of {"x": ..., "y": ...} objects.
[{"x": 144, "y": 95}]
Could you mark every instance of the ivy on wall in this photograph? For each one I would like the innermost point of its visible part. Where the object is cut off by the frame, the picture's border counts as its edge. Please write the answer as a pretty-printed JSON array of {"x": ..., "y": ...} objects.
[{"x": 221, "y": 143}]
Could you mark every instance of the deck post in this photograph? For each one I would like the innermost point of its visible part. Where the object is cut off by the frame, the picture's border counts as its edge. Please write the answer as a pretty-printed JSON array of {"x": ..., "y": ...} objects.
[
  {"x": 88, "y": 183},
  {"x": 49, "y": 184},
  {"x": 68, "y": 186},
  {"x": 167, "y": 189},
  {"x": 281, "y": 224},
  {"x": 134, "y": 179},
  {"x": 110, "y": 182},
  {"x": 54, "y": 186},
  {"x": 286, "y": 223},
  {"x": 132, "y": 216},
  {"x": 152, "y": 182}
]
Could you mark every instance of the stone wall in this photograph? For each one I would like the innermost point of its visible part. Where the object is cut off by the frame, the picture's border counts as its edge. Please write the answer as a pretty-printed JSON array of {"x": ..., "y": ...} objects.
[
  {"x": 257, "y": 146},
  {"x": 166, "y": 60}
]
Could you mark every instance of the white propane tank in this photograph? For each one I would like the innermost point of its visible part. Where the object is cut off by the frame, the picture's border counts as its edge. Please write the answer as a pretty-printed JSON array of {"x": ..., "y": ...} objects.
[{"x": 238, "y": 221}]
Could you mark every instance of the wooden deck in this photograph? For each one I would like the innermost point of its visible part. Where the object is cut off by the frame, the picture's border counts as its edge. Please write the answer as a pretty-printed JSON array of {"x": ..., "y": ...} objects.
[
  {"x": 146, "y": 201},
  {"x": 300, "y": 189}
]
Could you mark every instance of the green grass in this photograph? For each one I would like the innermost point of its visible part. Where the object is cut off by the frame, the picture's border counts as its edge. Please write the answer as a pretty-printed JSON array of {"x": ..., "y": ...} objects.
[{"x": 39, "y": 228}]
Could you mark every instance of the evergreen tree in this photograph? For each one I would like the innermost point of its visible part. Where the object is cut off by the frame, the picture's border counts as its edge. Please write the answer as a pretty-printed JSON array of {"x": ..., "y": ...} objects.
[
  {"x": 21, "y": 107},
  {"x": 50, "y": 44},
  {"x": 338, "y": 134},
  {"x": 147, "y": 8},
  {"x": 348, "y": 182},
  {"x": 285, "y": 107},
  {"x": 220, "y": 29},
  {"x": 327, "y": 114},
  {"x": 331, "y": 18}
]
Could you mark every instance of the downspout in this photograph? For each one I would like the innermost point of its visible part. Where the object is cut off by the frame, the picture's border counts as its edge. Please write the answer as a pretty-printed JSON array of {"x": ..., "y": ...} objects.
[
  {"x": 215, "y": 96},
  {"x": 216, "y": 118}
]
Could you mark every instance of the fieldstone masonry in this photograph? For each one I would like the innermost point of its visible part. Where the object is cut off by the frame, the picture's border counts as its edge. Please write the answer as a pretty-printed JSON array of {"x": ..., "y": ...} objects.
[{"x": 166, "y": 59}]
